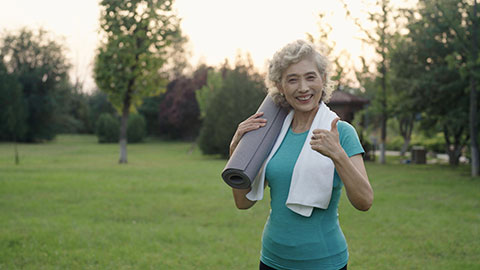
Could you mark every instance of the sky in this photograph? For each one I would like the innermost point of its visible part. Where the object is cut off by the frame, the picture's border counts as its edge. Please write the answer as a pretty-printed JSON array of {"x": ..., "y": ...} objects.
[{"x": 217, "y": 29}]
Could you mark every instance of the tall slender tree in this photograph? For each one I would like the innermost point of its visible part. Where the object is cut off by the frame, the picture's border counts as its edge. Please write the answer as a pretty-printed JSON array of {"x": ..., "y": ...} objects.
[
  {"x": 473, "y": 94},
  {"x": 138, "y": 37},
  {"x": 379, "y": 37}
]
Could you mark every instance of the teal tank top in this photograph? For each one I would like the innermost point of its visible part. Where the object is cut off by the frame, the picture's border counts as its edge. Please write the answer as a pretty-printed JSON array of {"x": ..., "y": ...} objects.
[{"x": 292, "y": 241}]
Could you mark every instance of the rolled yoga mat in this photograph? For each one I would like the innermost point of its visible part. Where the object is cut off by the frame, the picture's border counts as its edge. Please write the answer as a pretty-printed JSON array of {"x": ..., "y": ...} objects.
[{"x": 254, "y": 147}]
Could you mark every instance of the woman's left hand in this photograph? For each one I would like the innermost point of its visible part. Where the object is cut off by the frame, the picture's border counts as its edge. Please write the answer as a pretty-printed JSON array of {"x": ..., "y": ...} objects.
[{"x": 327, "y": 142}]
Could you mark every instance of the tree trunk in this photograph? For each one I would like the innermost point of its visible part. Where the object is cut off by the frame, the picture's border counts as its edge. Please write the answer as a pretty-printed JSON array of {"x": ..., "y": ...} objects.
[
  {"x": 473, "y": 129},
  {"x": 454, "y": 149},
  {"x": 384, "y": 119},
  {"x": 406, "y": 143},
  {"x": 123, "y": 129},
  {"x": 383, "y": 44},
  {"x": 406, "y": 129},
  {"x": 454, "y": 154},
  {"x": 123, "y": 138},
  {"x": 473, "y": 98},
  {"x": 17, "y": 158}
]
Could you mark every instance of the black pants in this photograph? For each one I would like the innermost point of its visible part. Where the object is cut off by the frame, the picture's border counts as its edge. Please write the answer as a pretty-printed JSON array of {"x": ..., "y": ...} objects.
[{"x": 266, "y": 267}]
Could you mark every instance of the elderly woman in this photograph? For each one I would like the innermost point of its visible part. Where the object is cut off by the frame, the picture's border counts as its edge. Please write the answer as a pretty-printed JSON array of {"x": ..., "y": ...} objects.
[{"x": 313, "y": 157}]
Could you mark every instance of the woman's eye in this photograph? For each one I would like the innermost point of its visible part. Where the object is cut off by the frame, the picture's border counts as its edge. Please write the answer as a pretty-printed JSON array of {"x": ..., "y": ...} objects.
[
  {"x": 311, "y": 78},
  {"x": 292, "y": 80}
]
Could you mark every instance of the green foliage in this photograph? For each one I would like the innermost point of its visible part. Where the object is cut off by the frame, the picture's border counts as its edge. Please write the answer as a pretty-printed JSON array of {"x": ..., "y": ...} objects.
[
  {"x": 136, "y": 129},
  {"x": 205, "y": 94},
  {"x": 138, "y": 41},
  {"x": 38, "y": 63},
  {"x": 98, "y": 104},
  {"x": 138, "y": 35},
  {"x": 238, "y": 98},
  {"x": 150, "y": 110},
  {"x": 73, "y": 113},
  {"x": 12, "y": 107},
  {"x": 435, "y": 143},
  {"x": 437, "y": 31},
  {"x": 108, "y": 129}
]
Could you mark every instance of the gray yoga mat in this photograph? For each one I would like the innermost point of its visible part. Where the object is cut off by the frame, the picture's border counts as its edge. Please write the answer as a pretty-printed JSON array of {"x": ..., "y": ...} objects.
[{"x": 254, "y": 147}]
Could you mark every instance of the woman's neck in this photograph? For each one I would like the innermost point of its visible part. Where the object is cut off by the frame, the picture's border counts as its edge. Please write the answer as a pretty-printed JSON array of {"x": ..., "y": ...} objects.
[{"x": 302, "y": 121}]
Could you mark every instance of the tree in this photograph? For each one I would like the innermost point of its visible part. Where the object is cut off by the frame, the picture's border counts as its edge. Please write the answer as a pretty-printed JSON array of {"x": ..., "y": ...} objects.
[
  {"x": 473, "y": 94},
  {"x": 240, "y": 95},
  {"x": 38, "y": 63},
  {"x": 73, "y": 114},
  {"x": 405, "y": 66},
  {"x": 438, "y": 30},
  {"x": 380, "y": 37},
  {"x": 127, "y": 67},
  {"x": 179, "y": 115},
  {"x": 205, "y": 94},
  {"x": 459, "y": 22},
  {"x": 12, "y": 109}
]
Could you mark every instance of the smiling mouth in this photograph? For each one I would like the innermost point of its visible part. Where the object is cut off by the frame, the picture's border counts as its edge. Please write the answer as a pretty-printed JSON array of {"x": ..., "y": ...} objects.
[{"x": 304, "y": 98}]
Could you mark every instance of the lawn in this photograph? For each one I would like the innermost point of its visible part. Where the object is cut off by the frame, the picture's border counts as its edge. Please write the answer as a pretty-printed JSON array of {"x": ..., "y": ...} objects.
[{"x": 70, "y": 205}]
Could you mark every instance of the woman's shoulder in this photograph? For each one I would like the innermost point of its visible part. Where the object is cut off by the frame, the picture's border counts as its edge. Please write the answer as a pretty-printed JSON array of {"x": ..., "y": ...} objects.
[
  {"x": 345, "y": 128},
  {"x": 349, "y": 138}
]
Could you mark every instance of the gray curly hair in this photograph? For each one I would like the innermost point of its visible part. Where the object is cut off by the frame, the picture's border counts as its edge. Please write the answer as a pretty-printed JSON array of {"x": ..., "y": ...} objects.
[{"x": 290, "y": 54}]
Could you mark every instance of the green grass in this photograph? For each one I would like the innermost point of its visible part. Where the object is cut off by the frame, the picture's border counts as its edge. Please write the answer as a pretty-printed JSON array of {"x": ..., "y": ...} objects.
[{"x": 69, "y": 205}]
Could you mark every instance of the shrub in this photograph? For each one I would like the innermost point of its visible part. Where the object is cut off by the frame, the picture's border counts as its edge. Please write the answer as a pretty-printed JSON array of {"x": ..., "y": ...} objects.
[
  {"x": 108, "y": 128},
  {"x": 395, "y": 143},
  {"x": 179, "y": 115},
  {"x": 435, "y": 143},
  {"x": 98, "y": 104},
  {"x": 238, "y": 98},
  {"x": 136, "y": 128}
]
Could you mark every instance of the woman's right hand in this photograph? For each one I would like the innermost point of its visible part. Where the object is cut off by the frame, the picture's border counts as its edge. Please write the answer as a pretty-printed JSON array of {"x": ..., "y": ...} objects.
[{"x": 251, "y": 123}]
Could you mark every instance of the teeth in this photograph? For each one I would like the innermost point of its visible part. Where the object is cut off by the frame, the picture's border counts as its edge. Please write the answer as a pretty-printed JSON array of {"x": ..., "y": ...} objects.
[{"x": 304, "y": 98}]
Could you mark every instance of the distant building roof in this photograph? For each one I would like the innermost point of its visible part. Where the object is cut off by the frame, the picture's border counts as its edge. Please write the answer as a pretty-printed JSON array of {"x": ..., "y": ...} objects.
[{"x": 346, "y": 104}]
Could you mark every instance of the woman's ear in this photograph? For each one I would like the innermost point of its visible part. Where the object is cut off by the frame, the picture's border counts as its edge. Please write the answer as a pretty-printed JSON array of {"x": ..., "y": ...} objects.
[{"x": 280, "y": 88}]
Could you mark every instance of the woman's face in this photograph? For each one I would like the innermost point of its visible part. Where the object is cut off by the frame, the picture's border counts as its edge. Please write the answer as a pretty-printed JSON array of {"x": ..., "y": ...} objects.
[{"x": 302, "y": 85}]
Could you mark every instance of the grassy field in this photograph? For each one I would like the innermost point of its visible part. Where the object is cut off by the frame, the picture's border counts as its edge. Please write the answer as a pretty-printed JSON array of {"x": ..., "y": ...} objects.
[{"x": 69, "y": 205}]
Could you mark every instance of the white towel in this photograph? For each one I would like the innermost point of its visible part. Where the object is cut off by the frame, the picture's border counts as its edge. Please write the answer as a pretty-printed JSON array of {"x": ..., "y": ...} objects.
[{"x": 312, "y": 178}]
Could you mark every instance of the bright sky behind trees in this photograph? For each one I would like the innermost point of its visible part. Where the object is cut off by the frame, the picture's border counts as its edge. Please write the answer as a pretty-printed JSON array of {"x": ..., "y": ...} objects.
[{"x": 217, "y": 29}]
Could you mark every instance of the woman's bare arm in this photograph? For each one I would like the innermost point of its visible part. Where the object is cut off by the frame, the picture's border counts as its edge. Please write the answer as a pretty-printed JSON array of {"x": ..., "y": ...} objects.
[
  {"x": 354, "y": 176},
  {"x": 350, "y": 169}
]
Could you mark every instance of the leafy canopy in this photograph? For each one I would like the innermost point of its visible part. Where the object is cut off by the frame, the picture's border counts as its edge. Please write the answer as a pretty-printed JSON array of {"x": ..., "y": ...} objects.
[{"x": 137, "y": 36}]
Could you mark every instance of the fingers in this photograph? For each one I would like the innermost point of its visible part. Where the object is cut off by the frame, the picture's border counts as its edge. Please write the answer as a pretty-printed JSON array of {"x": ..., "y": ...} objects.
[
  {"x": 254, "y": 119},
  {"x": 334, "y": 124},
  {"x": 319, "y": 131},
  {"x": 250, "y": 126},
  {"x": 251, "y": 123},
  {"x": 258, "y": 114},
  {"x": 316, "y": 148},
  {"x": 318, "y": 134}
]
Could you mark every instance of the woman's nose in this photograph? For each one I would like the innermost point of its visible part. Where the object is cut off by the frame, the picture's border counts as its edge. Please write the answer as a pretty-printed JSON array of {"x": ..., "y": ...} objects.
[{"x": 303, "y": 86}]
